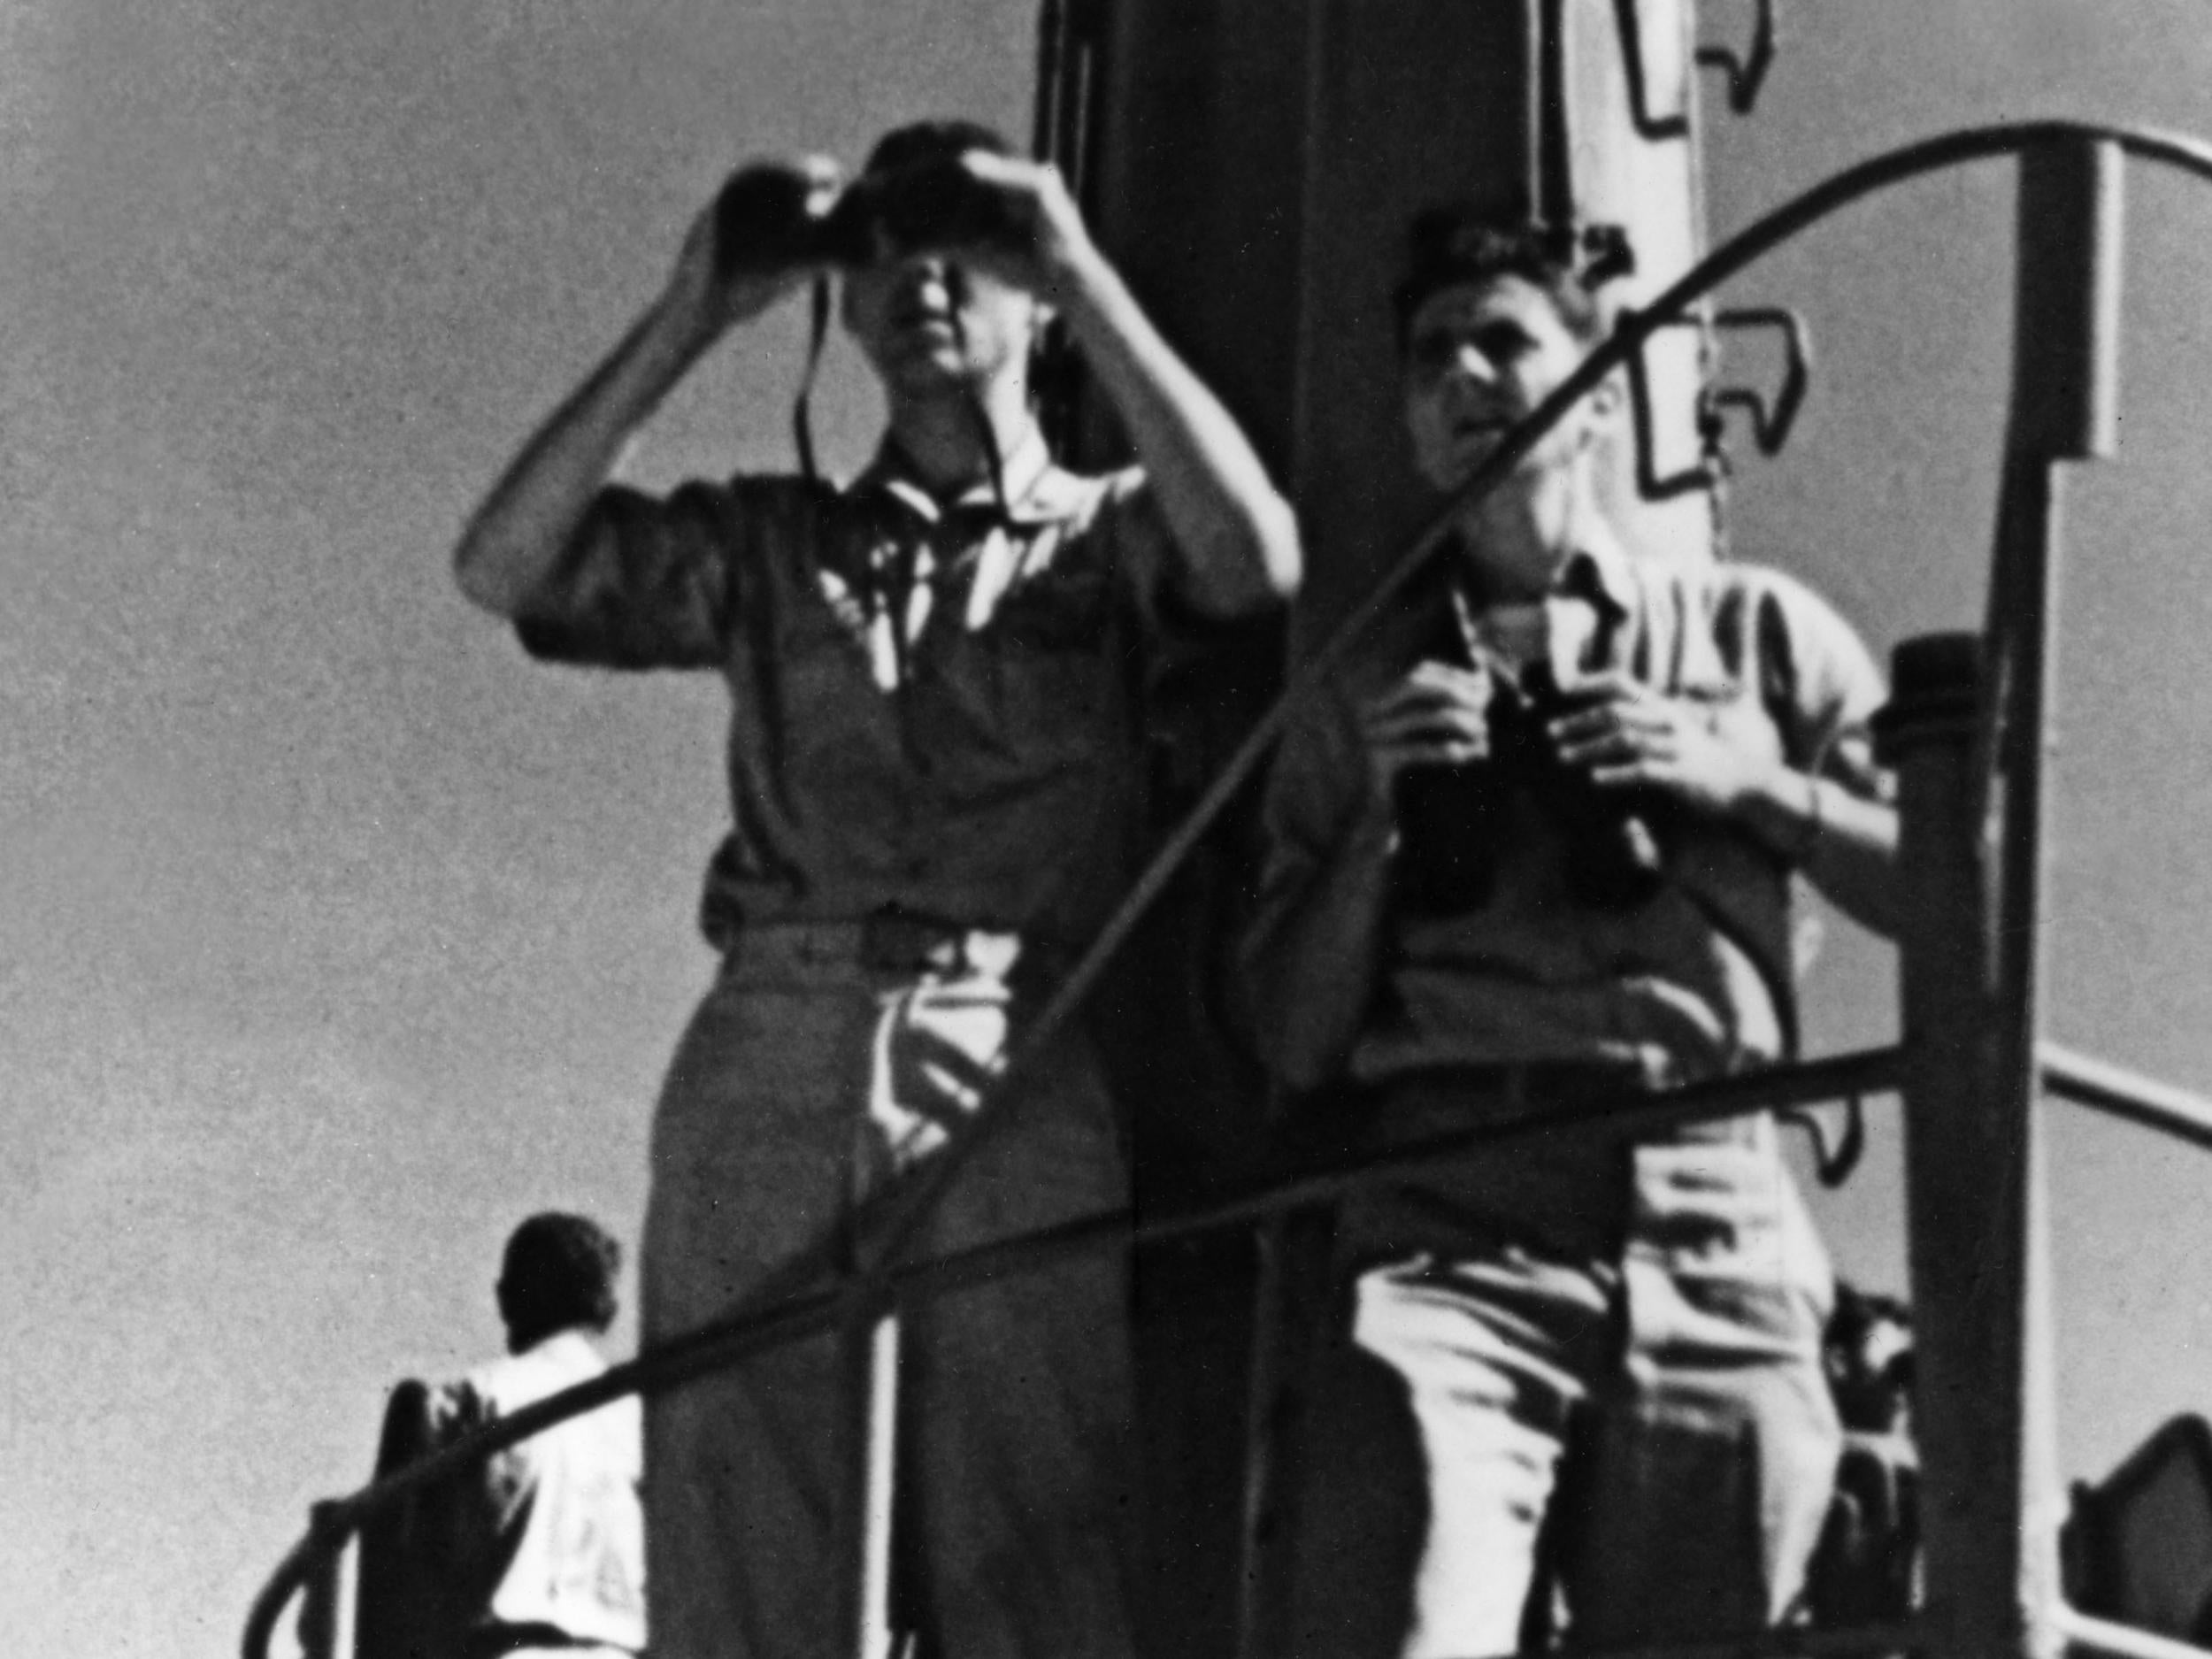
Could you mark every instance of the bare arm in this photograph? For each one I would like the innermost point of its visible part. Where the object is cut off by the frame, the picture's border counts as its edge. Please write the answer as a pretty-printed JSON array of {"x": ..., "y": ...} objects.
[
  {"x": 1631, "y": 736},
  {"x": 516, "y": 536},
  {"x": 1237, "y": 536},
  {"x": 1845, "y": 844}
]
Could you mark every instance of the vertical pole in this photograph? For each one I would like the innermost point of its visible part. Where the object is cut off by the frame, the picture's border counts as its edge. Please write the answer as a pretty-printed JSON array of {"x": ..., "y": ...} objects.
[
  {"x": 1264, "y": 1583},
  {"x": 869, "y": 1360},
  {"x": 883, "y": 1416},
  {"x": 1967, "y": 733},
  {"x": 1290, "y": 1303},
  {"x": 318, "y": 1601},
  {"x": 1969, "y": 1176},
  {"x": 1044, "y": 130}
]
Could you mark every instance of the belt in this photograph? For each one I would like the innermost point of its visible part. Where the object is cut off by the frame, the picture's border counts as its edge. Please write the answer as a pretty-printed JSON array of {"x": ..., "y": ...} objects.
[
  {"x": 897, "y": 941},
  {"x": 894, "y": 938},
  {"x": 487, "y": 1641},
  {"x": 1436, "y": 1100}
]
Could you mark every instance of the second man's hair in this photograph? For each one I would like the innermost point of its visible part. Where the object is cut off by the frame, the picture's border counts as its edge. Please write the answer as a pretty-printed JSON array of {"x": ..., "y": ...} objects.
[{"x": 1456, "y": 246}]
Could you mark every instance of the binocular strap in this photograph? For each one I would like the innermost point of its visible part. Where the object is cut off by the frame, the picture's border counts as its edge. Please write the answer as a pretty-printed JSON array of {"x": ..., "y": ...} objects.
[
  {"x": 801, "y": 419},
  {"x": 802, "y": 405}
]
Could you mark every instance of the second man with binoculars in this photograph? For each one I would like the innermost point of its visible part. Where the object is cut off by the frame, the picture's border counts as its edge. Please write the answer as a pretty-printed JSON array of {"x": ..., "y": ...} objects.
[{"x": 1531, "y": 856}]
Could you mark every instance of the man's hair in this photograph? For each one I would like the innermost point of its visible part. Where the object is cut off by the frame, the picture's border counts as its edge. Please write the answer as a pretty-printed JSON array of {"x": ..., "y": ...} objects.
[
  {"x": 1456, "y": 244},
  {"x": 558, "y": 1273},
  {"x": 920, "y": 142}
]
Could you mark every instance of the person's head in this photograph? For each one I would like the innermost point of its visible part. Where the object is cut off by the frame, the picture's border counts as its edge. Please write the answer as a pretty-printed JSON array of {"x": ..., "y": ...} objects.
[
  {"x": 1492, "y": 317},
  {"x": 927, "y": 323},
  {"x": 558, "y": 1274}
]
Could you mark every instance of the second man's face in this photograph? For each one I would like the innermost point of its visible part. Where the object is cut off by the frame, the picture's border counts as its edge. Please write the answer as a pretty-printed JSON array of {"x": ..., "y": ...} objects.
[
  {"x": 926, "y": 322},
  {"x": 1478, "y": 357}
]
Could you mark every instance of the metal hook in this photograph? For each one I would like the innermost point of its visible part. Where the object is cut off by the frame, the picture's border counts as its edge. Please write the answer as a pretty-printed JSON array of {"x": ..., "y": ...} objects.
[
  {"x": 1833, "y": 1164},
  {"x": 1748, "y": 73},
  {"x": 1770, "y": 423}
]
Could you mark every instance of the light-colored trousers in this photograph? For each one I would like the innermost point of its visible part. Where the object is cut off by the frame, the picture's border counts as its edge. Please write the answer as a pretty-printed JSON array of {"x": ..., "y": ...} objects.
[
  {"x": 1017, "y": 1514},
  {"x": 1589, "y": 1368}
]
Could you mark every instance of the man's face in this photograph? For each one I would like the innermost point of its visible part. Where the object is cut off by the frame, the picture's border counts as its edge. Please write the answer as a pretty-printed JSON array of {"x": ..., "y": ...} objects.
[
  {"x": 927, "y": 323},
  {"x": 1478, "y": 357}
]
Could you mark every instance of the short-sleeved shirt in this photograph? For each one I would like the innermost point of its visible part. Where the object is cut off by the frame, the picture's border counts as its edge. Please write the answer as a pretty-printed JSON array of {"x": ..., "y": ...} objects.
[
  {"x": 1693, "y": 983},
  {"x": 543, "y": 1542},
  {"x": 936, "y": 704}
]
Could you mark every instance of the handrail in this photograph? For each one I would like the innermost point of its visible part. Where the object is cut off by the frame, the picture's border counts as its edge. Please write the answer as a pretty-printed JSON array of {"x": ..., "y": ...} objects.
[
  {"x": 725, "y": 1341},
  {"x": 789, "y": 1303},
  {"x": 1796, "y": 1641},
  {"x": 2119, "y": 1093},
  {"x": 2122, "y": 1641}
]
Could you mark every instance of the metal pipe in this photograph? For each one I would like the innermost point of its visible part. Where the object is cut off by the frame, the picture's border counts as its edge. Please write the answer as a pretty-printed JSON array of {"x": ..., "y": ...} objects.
[
  {"x": 747, "y": 1331},
  {"x": 2122, "y": 1641},
  {"x": 1967, "y": 1168},
  {"x": 1290, "y": 1303},
  {"x": 1967, "y": 735},
  {"x": 318, "y": 1625},
  {"x": 1805, "y": 1642},
  {"x": 1899, "y": 1636},
  {"x": 2120, "y": 1092},
  {"x": 870, "y": 1422}
]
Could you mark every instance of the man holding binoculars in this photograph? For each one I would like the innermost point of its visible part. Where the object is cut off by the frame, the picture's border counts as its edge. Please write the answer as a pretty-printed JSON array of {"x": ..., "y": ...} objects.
[
  {"x": 1532, "y": 852},
  {"x": 937, "y": 677}
]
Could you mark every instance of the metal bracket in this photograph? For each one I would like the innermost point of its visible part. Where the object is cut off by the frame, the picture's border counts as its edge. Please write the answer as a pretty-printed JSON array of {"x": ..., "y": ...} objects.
[
  {"x": 1607, "y": 253},
  {"x": 1770, "y": 423},
  {"x": 1746, "y": 75},
  {"x": 1834, "y": 1161},
  {"x": 1064, "y": 120}
]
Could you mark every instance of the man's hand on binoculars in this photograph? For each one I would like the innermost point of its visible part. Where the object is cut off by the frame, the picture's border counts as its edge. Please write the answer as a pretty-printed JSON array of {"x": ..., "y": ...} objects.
[
  {"x": 1625, "y": 736},
  {"x": 753, "y": 244},
  {"x": 1439, "y": 715},
  {"x": 1039, "y": 242}
]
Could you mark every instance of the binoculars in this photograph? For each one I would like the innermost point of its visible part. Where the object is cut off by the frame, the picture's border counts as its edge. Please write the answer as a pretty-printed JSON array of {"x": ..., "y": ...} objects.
[
  {"x": 761, "y": 222},
  {"x": 1452, "y": 820}
]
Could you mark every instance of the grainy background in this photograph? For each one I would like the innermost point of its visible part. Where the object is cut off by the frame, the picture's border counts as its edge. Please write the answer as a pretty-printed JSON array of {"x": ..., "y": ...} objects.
[{"x": 335, "y": 937}]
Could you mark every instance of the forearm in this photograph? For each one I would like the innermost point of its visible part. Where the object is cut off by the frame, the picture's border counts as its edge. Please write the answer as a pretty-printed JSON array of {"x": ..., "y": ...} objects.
[
  {"x": 519, "y": 531},
  {"x": 1311, "y": 959},
  {"x": 1845, "y": 844},
  {"x": 1236, "y": 534}
]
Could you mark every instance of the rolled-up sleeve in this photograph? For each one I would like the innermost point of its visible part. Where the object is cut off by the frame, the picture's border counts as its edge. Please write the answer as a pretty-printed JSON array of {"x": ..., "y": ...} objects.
[
  {"x": 1320, "y": 885},
  {"x": 1140, "y": 548},
  {"x": 1150, "y": 557},
  {"x": 650, "y": 581},
  {"x": 1823, "y": 687}
]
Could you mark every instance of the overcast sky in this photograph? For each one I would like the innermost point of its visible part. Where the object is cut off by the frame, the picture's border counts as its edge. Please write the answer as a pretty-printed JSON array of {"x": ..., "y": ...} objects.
[{"x": 337, "y": 936}]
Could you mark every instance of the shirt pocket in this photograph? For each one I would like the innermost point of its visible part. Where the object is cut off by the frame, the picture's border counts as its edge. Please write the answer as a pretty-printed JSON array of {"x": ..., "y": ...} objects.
[
  {"x": 826, "y": 708},
  {"x": 1055, "y": 646},
  {"x": 1057, "y": 609},
  {"x": 1733, "y": 711}
]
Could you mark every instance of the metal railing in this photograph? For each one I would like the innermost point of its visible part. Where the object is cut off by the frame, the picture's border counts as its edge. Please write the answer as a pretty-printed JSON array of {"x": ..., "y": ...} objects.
[{"x": 1964, "y": 735}]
